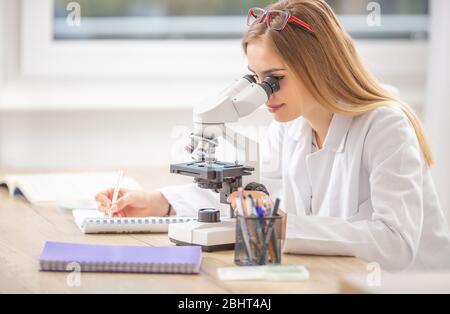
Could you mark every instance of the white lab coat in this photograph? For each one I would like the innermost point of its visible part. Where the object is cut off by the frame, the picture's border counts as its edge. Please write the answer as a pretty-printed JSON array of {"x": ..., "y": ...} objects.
[{"x": 367, "y": 193}]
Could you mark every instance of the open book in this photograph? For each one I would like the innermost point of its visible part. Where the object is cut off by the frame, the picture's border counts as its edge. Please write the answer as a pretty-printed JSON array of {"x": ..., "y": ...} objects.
[
  {"x": 63, "y": 187},
  {"x": 93, "y": 221}
]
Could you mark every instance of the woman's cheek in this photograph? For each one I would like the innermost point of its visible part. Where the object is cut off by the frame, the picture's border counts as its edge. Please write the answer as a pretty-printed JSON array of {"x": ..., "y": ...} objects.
[
  {"x": 281, "y": 97},
  {"x": 284, "y": 91}
]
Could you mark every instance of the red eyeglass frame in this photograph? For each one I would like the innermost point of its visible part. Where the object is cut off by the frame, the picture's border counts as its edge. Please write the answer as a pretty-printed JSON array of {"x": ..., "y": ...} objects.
[{"x": 290, "y": 18}]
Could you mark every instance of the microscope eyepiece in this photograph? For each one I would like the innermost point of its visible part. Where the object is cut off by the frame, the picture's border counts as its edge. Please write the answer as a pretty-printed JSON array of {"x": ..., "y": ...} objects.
[
  {"x": 250, "y": 78},
  {"x": 270, "y": 85}
]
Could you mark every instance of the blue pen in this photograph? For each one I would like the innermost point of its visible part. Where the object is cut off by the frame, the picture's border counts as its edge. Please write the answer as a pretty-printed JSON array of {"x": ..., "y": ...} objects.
[{"x": 260, "y": 212}]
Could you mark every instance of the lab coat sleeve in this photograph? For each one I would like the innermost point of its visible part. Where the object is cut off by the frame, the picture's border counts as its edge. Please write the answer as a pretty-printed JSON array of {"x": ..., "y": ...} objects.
[
  {"x": 189, "y": 198},
  {"x": 391, "y": 237},
  {"x": 271, "y": 159}
]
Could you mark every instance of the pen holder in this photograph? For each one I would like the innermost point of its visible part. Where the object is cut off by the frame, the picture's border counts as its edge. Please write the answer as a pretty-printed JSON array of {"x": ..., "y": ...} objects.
[{"x": 258, "y": 240}]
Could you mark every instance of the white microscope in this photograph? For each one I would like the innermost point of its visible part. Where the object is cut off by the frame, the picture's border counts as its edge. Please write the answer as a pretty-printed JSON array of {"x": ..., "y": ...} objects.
[{"x": 210, "y": 231}]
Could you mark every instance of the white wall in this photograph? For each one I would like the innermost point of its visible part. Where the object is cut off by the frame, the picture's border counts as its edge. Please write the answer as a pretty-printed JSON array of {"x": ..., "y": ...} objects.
[
  {"x": 2, "y": 41},
  {"x": 98, "y": 139},
  {"x": 437, "y": 110},
  {"x": 88, "y": 139}
]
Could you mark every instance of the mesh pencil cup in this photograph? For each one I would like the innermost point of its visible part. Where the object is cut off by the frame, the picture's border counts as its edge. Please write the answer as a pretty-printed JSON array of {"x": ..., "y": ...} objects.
[{"x": 258, "y": 240}]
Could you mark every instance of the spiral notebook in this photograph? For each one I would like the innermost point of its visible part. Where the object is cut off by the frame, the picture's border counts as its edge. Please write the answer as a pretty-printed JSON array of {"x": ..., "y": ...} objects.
[
  {"x": 59, "y": 256},
  {"x": 93, "y": 221}
]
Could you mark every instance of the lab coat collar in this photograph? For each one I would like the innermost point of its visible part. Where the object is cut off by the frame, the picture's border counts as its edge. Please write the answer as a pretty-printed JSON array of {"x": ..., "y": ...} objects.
[
  {"x": 337, "y": 133},
  {"x": 298, "y": 128},
  {"x": 336, "y": 136}
]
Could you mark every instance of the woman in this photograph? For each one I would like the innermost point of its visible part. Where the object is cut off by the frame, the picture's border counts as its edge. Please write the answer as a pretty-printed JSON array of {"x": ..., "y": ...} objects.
[{"x": 349, "y": 161}]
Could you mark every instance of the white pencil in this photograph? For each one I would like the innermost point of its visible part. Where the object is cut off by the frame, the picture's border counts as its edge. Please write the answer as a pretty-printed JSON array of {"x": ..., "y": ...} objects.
[{"x": 116, "y": 192}]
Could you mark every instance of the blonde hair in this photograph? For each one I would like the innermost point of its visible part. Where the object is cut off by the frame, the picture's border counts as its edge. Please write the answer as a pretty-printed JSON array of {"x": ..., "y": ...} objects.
[{"x": 329, "y": 65}]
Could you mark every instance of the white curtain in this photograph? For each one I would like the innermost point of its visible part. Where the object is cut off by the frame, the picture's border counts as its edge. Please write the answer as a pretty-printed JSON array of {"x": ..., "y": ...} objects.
[{"x": 437, "y": 109}]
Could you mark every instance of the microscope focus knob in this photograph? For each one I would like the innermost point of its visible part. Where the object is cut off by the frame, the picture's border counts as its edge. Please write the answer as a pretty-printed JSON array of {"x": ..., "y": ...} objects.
[{"x": 208, "y": 215}]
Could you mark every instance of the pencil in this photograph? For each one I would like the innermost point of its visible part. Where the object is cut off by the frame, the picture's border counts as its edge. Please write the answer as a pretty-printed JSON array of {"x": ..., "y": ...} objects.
[{"x": 116, "y": 192}]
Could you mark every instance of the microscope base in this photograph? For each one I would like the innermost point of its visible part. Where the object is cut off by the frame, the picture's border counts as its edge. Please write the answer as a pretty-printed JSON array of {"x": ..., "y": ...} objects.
[
  {"x": 219, "y": 236},
  {"x": 210, "y": 248}
]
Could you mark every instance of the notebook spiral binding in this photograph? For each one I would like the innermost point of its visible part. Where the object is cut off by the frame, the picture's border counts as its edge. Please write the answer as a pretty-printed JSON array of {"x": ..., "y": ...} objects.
[{"x": 95, "y": 224}]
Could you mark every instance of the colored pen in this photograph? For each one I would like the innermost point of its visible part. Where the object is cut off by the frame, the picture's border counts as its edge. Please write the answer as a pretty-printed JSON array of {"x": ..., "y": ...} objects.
[
  {"x": 269, "y": 233},
  {"x": 252, "y": 205},
  {"x": 260, "y": 211},
  {"x": 275, "y": 207},
  {"x": 240, "y": 202}
]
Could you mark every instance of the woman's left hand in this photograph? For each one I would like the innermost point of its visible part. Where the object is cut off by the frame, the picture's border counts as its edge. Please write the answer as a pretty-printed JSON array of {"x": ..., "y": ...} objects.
[{"x": 257, "y": 195}]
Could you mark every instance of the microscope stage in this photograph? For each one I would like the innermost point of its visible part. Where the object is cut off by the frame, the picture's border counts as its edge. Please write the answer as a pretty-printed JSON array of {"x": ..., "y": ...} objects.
[{"x": 212, "y": 172}]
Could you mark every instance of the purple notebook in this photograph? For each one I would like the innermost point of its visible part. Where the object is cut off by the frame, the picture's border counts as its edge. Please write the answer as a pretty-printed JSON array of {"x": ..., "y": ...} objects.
[{"x": 58, "y": 256}]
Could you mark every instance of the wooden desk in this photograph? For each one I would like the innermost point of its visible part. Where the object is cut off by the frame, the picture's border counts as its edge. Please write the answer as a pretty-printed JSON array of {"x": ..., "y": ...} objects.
[
  {"x": 425, "y": 282},
  {"x": 25, "y": 228}
]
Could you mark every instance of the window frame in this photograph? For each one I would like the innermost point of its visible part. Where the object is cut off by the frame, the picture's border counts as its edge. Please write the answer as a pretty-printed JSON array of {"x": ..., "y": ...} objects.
[
  {"x": 55, "y": 75},
  {"x": 103, "y": 55}
]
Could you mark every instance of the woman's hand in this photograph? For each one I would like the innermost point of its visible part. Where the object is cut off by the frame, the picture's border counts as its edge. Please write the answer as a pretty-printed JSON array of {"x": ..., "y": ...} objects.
[
  {"x": 257, "y": 195},
  {"x": 133, "y": 203}
]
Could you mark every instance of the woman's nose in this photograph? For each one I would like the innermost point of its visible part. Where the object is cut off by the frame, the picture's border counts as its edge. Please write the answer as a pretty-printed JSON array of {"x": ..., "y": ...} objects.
[{"x": 271, "y": 99}]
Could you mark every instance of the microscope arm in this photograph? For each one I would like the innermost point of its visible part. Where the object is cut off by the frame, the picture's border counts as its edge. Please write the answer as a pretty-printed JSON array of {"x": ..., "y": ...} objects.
[
  {"x": 228, "y": 109},
  {"x": 240, "y": 101},
  {"x": 246, "y": 150}
]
